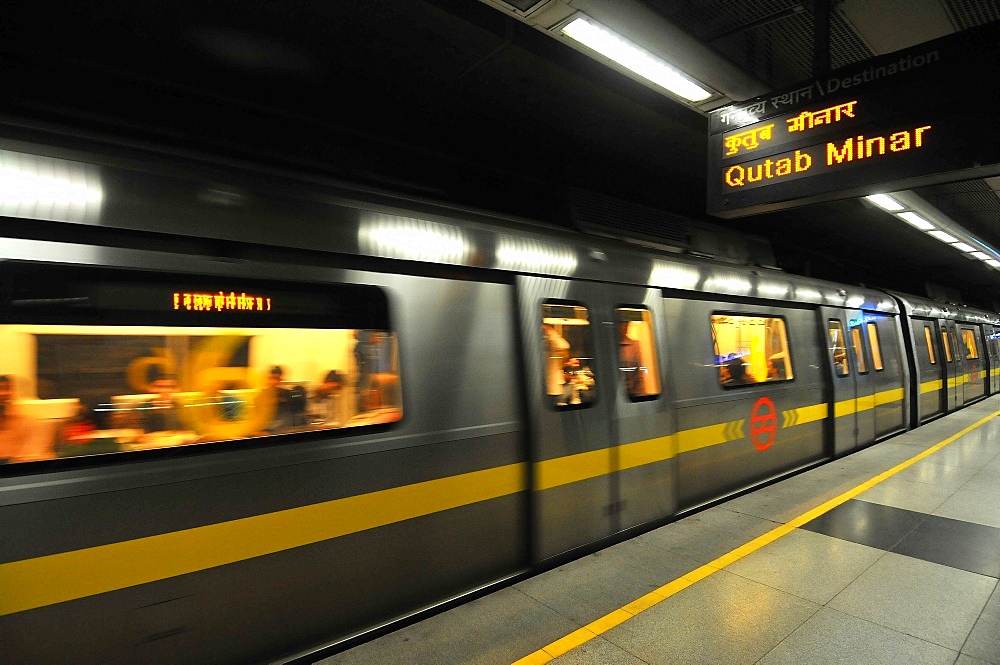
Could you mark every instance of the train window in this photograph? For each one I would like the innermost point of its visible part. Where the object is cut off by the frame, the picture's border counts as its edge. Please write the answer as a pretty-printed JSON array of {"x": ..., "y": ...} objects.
[
  {"x": 751, "y": 349},
  {"x": 838, "y": 348},
  {"x": 637, "y": 352},
  {"x": 100, "y": 361},
  {"x": 876, "y": 347},
  {"x": 859, "y": 350},
  {"x": 947, "y": 345},
  {"x": 930, "y": 345},
  {"x": 569, "y": 380},
  {"x": 969, "y": 342}
]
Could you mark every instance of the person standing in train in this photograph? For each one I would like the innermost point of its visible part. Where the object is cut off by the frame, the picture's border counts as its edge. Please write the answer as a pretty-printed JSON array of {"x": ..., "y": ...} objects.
[
  {"x": 630, "y": 361},
  {"x": 13, "y": 427},
  {"x": 558, "y": 355},
  {"x": 363, "y": 365}
]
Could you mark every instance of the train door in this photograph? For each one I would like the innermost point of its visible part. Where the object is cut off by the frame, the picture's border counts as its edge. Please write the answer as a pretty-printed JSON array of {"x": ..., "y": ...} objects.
[
  {"x": 994, "y": 358},
  {"x": 864, "y": 381},
  {"x": 888, "y": 375},
  {"x": 929, "y": 363},
  {"x": 645, "y": 454},
  {"x": 586, "y": 427},
  {"x": 953, "y": 366},
  {"x": 970, "y": 346},
  {"x": 569, "y": 419},
  {"x": 844, "y": 391}
]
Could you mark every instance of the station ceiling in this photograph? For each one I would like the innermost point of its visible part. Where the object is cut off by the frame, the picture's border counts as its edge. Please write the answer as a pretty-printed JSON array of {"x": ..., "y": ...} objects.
[{"x": 460, "y": 101}]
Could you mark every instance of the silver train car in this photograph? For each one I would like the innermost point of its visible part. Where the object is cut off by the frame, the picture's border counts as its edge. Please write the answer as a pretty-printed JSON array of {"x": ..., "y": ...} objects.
[{"x": 246, "y": 415}]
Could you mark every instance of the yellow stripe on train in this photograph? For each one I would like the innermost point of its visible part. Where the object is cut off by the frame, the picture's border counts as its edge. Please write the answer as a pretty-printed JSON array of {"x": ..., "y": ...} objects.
[
  {"x": 867, "y": 402},
  {"x": 57, "y": 578}
]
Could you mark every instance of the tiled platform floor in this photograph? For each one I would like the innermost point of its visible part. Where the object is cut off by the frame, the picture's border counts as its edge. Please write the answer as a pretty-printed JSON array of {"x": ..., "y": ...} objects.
[{"x": 904, "y": 573}]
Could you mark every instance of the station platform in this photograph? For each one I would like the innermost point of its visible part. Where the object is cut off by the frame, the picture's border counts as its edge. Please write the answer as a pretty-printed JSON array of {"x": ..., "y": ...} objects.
[{"x": 888, "y": 555}]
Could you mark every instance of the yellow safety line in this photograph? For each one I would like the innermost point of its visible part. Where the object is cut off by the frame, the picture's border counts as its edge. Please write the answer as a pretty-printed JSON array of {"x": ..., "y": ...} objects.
[
  {"x": 617, "y": 617},
  {"x": 46, "y": 580}
]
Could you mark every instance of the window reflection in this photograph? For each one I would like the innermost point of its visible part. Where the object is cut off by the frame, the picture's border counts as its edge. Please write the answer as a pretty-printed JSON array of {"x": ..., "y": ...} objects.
[
  {"x": 876, "y": 347},
  {"x": 930, "y": 345},
  {"x": 838, "y": 348},
  {"x": 859, "y": 350},
  {"x": 969, "y": 342}
]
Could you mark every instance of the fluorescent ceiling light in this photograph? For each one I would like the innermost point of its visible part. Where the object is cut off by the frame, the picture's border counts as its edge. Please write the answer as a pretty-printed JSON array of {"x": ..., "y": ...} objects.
[
  {"x": 916, "y": 220},
  {"x": 611, "y": 45},
  {"x": 981, "y": 256},
  {"x": 885, "y": 202},
  {"x": 965, "y": 247},
  {"x": 943, "y": 236},
  {"x": 994, "y": 263}
]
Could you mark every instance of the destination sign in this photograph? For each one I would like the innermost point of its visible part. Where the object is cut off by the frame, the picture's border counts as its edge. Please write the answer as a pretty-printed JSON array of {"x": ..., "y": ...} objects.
[{"x": 904, "y": 120}]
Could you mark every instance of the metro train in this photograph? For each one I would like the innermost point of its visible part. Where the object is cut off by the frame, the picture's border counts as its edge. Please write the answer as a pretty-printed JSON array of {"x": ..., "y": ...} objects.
[{"x": 246, "y": 415}]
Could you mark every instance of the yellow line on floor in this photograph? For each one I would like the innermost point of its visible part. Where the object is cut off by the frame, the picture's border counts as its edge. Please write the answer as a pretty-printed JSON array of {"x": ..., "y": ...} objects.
[{"x": 583, "y": 635}]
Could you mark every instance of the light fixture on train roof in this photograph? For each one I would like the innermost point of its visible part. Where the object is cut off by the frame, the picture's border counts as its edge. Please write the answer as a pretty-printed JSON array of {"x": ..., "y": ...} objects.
[
  {"x": 808, "y": 294},
  {"x": 39, "y": 187},
  {"x": 774, "y": 290},
  {"x": 673, "y": 275},
  {"x": 728, "y": 283},
  {"x": 531, "y": 255},
  {"x": 631, "y": 56},
  {"x": 397, "y": 237}
]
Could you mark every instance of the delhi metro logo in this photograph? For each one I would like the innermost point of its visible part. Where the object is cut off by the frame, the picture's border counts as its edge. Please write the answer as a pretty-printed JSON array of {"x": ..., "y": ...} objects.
[{"x": 763, "y": 423}]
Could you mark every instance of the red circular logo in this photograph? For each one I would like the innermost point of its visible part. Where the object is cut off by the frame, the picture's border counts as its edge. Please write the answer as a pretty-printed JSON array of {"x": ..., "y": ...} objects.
[{"x": 763, "y": 423}]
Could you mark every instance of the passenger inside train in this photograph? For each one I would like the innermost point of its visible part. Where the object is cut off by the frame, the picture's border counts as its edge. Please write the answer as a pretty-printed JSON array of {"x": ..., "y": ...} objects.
[
  {"x": 637, "y": 353},
  {"x": 160, "y": 387},
  {"x": 750, "y": 349},
  {"x": 569, "y": 378},
  {"x": 12, "y": 425}
]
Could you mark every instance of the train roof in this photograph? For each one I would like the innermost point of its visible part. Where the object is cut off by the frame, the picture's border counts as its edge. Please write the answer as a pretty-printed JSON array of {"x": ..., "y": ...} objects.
[
  {"x": 185, "y": 197},
  {"x": 919, "y": 306}
]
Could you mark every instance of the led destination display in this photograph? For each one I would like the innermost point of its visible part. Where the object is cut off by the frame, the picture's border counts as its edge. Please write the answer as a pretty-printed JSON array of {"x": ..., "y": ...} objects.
[
  {"x": 834, "y": 154},
  {"x": 908, "y": 119}
]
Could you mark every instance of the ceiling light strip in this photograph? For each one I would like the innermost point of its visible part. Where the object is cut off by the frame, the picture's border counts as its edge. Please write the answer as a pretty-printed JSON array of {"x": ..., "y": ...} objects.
[
  {"x": 636, "y": 59},
  {"x": 889, "y": 204}
]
